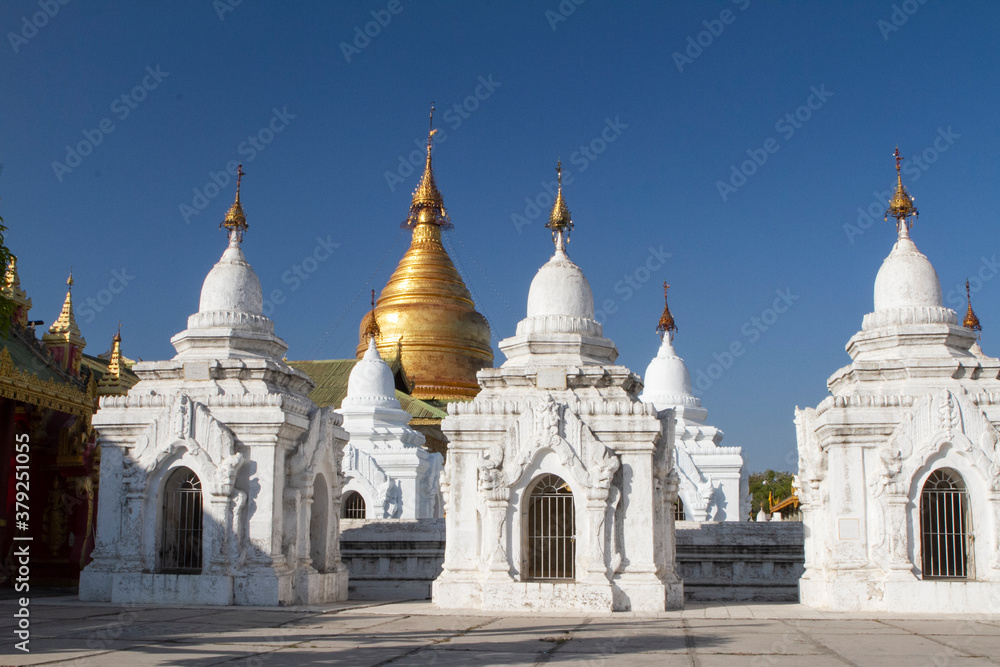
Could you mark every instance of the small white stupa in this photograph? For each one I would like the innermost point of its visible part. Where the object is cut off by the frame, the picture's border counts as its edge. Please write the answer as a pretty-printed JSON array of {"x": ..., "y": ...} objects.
[
  {"x": 388, "y": 473},
  {"x": 899, "y": 469},
  {"x": 713, "y": 482},
  {"x": 559, "y": 483},
  {"x": 220, "y": 479}
]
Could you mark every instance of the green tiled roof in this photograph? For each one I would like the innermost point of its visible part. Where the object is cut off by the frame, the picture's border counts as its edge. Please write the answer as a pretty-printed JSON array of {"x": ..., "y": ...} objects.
[
  {"x": 331, "y": 375},
  {"x": 31, "y": 357}
]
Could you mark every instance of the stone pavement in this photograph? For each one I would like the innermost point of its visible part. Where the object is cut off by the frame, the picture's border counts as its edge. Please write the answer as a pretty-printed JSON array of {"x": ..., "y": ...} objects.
[{"x": 65, "y": 631}]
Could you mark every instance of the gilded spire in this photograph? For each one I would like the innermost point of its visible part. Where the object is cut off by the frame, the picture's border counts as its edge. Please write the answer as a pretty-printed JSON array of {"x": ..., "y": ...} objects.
[
  {"x": 63, "y": 339},
  {"x": 65, "y": 326},
  {"x": 236, "y": 220},
  {"x": 112, "y": 383},
  {"x": 427, "y": 205},
  {"x": 666, "y": 326},
  {"x": 371, "y": 330},
  {"x": 971, "y": 322},
  {"x": 560, "y": 221},
  {"x": 11, "y": 289},
  {"x": 901, "y": 205}
]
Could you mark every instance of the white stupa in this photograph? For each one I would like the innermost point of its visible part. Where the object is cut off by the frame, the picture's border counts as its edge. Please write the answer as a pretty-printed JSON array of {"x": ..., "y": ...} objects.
[
  {"x": 559, "y": 482},
  {"x": 388, "y": 473},
  {"x": 899, "y": 469},
  {"x": 220, "y": 479},
  {"x": 713, "y": 482}
]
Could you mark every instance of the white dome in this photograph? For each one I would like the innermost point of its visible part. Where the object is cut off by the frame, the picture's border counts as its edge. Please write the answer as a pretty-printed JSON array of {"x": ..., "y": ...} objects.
[
  {"x": 561, "y": 289},
  {"x": 370, "y": 380},
  {"x": 232, "y": 285},
  {"x": 906, "y": 279},
  {"x": 666, "y": 378}
]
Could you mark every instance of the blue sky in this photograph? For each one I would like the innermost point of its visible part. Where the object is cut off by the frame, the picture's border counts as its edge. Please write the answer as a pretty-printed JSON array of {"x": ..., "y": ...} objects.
[{"x": 654, "y": 107}]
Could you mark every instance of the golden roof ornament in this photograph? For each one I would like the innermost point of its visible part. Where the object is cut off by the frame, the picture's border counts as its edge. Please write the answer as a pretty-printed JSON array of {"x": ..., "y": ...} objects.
[
  {"x": 666, "y": 326},
  {"x": 112, "y": 382},
  {"x": 560, "y": 221},
  {"x": 371, "y": 326},
  {"x": 971, "y": 322},
  {"x": 901, "y": 204},
  {"x": 11, "y": 288},
  {"x": 236, "y": 219},
  {"x": 427, "y": 205},
  {"x": 65, "y": 326}
]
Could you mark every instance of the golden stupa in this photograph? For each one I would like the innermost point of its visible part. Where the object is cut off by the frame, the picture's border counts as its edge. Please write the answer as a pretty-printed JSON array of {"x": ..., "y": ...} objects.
[{"x": 425, "y": 316}]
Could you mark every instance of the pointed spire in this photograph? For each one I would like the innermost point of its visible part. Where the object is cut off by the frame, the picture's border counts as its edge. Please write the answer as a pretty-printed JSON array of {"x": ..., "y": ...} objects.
[
  {"x": 971, "y": 322},
  {"x": 11, "y": 288},
  {"x": 428, "y": 204},
  {"x": 901, "y": 204},
  {"x": 236, "y": 220},
  {"x": 666, "y": 326},
  {"x": 372, "y": 331},
  {"x": 65, "y": 326},
  {"x": 112, "y": 383},
  {"x": 64, "y": 339},
  {"x": 560, "y": 221}
]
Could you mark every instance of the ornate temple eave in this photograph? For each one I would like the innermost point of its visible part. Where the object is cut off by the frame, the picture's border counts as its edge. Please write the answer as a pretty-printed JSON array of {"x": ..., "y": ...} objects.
[{"x": 26, "y": 387}]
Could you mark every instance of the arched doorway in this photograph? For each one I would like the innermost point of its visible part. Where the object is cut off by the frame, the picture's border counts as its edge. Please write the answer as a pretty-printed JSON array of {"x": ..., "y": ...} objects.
[
  {"x": 181, "y": 535},
  {"x": 945, "y": 526},
  {"x": 550, "y": 544},
  {"x": 318, "y": 524},
  {"x": 354, "y": 506},
  {"x": 678, "y": 509}
]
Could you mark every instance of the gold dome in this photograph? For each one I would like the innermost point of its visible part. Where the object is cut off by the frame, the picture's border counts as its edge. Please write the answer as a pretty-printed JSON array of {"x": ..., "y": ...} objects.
[{"x": 425, "y": 316}]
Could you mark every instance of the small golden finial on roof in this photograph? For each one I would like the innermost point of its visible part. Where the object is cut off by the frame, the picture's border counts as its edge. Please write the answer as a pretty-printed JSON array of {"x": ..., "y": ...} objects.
[
  {"x": 971, "y": 322},
  {"x": 11, "y": 288},
  {"x": 372, "y": 330},
  {"x": 112, "y": 382},
  {"x": 901, "y": 205},
  {"x": 236, "y": 220},
  {"x": 427, "y": 205},
  {"x": 560, "y": 221},
  {"x": 666, "y": 326},
  {"x": 65, "y": 329}
]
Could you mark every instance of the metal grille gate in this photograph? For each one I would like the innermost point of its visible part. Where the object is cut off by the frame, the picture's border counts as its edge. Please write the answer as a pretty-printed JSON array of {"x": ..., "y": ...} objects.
[
  {"x": 678, "y": 509},
  {"x": 354, "y": 506},
  {"x": 180, "y": 549},
  {"x": 551, "y": 543},
  {"x": 945, "y": 529}
]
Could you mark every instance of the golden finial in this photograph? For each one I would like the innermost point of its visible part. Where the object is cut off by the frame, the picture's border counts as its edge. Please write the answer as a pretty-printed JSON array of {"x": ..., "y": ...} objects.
[
  {"x": 901, "y": 205},
  {"x": 971, "y": 322},
  {"x": 666, "y": 326},
  {"x": 560, "y": 221},
  {"x": 372, "y": 330},
  {"x": 236, "y": 220},
  {"x": 427, "y": 205}
]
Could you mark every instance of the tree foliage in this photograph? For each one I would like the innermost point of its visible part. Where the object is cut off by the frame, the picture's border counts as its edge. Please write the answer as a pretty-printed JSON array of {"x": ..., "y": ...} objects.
[{"x": 777, "y": 484}]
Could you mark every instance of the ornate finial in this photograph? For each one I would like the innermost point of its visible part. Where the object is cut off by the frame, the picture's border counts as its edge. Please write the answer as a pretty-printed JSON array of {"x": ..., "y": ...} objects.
[
  {"x": 69, "y": 281},
  {"x": 560, "y": 221},
  {"x": 372, "y": 331},
  {"x": 971, "y": 322},
  {"x": 427, "y": 205},
  {"x": 901, "y": 205},
  {"x": 236, "y": 220},
  {"x": 666, "y": 326},
  {"x": 118, "y": 334},
  {"x": 11, "y": 288}
]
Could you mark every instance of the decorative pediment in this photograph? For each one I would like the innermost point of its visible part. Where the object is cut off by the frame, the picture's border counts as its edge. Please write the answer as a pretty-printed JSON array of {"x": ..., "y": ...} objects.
[
  {"x": 547, "y": 424},
  {"x": 191, "y": 428},
  {"x": 949, "y": 418}
]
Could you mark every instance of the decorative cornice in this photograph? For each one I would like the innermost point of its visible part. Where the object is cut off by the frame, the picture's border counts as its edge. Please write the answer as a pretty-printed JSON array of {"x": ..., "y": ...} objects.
[
  {"x": 911, "y": 315},
  {"x": 20, "y": 385}
]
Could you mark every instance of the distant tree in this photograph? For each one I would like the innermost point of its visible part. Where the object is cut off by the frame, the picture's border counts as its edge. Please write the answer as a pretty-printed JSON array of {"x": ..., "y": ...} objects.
[
  {"x": 768, "y": 483},
  {"x": 6, "y": 305}
]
